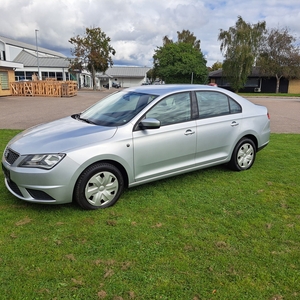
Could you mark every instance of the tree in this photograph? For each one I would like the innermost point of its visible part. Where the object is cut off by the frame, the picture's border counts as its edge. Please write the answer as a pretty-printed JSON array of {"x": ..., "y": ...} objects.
[
  {"x": 187, "y": 37},
  {"x": 92, "y": 51},
  {"x": 279, "y": 56},
  {"x": 240, "y": 46},
  {"x": 151, "y": 75},
  {"x": 216, "y": 66},
  {"x": 181, "y": 61}
]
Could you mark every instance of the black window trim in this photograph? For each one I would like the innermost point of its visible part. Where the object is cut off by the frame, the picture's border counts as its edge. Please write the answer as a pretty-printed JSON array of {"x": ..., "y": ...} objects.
[{"x": 197, "y": 116}]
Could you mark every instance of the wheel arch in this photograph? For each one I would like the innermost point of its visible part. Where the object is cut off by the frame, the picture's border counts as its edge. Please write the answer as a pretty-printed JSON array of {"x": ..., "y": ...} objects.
[
  {"x": 119, "y": 166},
  {"x": 252, "y": 138},
  {"x": 108, "y": 161},
  {"x": 246, "y": 163}
]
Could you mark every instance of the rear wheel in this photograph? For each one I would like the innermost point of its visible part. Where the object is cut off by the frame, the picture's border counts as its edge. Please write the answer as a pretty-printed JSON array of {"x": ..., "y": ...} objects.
[
  {"x": 243, "y": 155},
  {"x": 99, "y": 186}
]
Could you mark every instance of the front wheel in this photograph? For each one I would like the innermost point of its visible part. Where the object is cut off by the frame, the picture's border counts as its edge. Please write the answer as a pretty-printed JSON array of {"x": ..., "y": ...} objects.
[
  {"x": 243, "y": 155},
  {"x": 99, "y": 186}
]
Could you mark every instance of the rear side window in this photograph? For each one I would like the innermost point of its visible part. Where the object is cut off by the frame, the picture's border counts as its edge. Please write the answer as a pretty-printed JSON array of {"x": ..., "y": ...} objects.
[
  {"x": 213, "y": 104},
  {"x": 235, "y": 108}
]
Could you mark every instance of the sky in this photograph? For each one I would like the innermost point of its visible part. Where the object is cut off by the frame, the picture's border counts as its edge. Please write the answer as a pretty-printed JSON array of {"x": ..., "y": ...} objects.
[{"x": 137, "y": 27}]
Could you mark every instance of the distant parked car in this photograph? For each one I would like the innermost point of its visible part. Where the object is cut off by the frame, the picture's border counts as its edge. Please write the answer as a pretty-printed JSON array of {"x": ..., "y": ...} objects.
[
  {"x": 156, "y": 82},
  {"x": 116, "y": 85},
  {"x": 131, "y": 137}
]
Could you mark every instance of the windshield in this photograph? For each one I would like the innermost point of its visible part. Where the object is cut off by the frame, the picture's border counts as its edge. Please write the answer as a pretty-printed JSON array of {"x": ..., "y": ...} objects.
[{"x": 117, "y": 109}]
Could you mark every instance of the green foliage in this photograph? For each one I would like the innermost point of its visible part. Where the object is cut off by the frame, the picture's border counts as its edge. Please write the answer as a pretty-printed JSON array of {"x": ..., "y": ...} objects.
[
  {"x": 187, "y": 37},
  {"x": 92, "y": 51},
  {"x": 245, "y": 95},
  {"x": 180, "y": 62},
  {"x": 210, "y": 234},
  {"x": 280, "y": 57},
  {"x": 240, "y": 46},
  {"x": 216, "y": 66}
]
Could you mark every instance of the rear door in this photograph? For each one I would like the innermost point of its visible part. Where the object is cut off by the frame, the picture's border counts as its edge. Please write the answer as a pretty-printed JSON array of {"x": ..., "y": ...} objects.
[{"x": 218, "y": 126}]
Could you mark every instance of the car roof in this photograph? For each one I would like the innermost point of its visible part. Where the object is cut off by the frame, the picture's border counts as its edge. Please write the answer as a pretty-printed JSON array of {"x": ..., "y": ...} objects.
[{"x": 163, "y": 89}]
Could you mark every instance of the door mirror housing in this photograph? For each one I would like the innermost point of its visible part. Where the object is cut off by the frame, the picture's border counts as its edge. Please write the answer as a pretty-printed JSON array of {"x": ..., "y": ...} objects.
[{"x": 149, "y": 123}]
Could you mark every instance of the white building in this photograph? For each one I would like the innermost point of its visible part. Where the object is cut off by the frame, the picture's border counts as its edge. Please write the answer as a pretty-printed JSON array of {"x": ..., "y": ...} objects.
[
  {"x": 45, "y": 63},
  {"x": 125, "y": 76}
]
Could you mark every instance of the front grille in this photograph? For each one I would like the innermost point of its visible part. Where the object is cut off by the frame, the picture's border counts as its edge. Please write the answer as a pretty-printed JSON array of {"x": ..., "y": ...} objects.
[
  {"x": 39, "y": 195},
  {"x": 11, "y": 156}
]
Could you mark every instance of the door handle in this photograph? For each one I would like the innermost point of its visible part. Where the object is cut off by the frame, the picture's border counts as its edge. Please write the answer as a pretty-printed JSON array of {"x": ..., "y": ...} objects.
[
  {"x": 189, "y": 132},
  {"x": 234, "y": 123}
]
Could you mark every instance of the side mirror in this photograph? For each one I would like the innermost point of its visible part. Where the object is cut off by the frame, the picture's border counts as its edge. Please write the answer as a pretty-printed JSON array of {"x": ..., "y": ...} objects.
[{"x": 149, "y": 123}]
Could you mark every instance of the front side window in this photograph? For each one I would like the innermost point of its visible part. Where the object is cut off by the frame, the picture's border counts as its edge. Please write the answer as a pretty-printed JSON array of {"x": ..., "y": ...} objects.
[
  {"x": 213, "y": 104},
  {"x": 172, "y": 109}
]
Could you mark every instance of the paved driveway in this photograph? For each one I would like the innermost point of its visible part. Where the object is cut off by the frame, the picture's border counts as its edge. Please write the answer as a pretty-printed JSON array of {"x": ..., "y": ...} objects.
[
  {"x": 24, "y": 112},
  {"x": 284, "y": 112}
]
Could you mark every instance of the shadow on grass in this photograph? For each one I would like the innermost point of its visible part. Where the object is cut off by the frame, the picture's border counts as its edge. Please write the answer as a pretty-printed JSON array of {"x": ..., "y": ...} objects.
[{"x": 168, "y": 183}]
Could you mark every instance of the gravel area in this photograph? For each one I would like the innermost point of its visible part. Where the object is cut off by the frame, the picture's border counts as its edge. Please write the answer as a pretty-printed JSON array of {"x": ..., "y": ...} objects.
[{"x": 24, "y": 112}]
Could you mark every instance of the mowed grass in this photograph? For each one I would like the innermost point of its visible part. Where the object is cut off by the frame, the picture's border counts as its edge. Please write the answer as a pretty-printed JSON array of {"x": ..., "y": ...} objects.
[
  {"x": 210, "y": 234},
  {"x": 272, "y": 95}
]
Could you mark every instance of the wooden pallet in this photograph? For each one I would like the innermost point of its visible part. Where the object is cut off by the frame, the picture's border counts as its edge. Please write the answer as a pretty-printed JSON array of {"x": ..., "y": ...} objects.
[{"x": 44, "y": 88}]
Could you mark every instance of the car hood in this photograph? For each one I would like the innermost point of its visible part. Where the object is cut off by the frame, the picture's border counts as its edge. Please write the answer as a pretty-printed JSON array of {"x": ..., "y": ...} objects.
[{"x": 60, "y": 136}]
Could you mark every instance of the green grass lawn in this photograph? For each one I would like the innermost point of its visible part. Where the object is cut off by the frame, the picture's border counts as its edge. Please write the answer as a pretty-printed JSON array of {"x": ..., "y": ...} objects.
[
  {"x": 268, "y": 95},
  {"x": 210, "y": 234}
]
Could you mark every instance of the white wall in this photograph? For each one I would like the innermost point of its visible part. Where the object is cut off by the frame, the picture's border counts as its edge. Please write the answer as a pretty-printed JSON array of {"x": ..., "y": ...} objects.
[{"x": 130, "y": 82}]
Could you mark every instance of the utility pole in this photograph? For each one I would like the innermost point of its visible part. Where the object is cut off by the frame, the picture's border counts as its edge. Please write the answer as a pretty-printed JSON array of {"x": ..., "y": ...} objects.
[{"x": 37, "y": 53}]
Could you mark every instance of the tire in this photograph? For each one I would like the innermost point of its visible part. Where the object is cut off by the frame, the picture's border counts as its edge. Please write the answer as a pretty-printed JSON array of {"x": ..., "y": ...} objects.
[
  {"x": 99, "y": 186},
  {"x": 243, "y": 155}
]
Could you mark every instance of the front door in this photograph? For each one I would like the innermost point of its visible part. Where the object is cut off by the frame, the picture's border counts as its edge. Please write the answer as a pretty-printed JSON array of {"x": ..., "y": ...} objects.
[{"x": 170, "y": 148}]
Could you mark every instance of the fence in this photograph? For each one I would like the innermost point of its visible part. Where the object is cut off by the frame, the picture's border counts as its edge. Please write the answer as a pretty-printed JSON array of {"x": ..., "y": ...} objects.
[{"x": 44, "y": 88}]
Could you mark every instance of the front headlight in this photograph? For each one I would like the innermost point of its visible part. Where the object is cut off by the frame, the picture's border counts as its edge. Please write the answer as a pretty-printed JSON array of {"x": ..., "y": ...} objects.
[{"x": 44, "y": 161}]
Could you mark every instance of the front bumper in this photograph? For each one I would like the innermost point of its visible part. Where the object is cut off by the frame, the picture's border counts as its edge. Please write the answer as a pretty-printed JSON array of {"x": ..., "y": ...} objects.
[{"x": 53, "y": 186}]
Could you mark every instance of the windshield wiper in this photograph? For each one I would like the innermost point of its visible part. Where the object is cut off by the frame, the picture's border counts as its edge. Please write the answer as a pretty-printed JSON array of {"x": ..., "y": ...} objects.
[
  {"x": 86, "y": 120},
  {"x": 77, "y": 117}
]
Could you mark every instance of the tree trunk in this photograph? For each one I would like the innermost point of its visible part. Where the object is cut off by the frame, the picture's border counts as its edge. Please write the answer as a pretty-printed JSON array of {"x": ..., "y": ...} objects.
[
  {"x": 94, "y": 78},
  {"x": 277, "y": 83}
]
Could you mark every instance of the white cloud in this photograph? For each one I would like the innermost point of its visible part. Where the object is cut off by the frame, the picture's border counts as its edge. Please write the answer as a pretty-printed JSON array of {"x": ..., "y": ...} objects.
[{"x": 136, "y": 27}]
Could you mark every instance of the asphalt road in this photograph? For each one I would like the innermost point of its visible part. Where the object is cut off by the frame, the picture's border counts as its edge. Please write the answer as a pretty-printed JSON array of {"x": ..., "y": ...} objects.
[{"x": 24, "y": 112}]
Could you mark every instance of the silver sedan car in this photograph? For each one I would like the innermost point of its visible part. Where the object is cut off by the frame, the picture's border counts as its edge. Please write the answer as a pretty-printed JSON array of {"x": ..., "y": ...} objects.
[{"x": 132, "y": 137}]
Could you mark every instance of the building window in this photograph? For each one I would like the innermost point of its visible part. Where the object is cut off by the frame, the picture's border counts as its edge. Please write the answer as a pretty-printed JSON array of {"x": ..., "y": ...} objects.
[
  {"x": 29, "y": 75},
  {"x": 44, "y": 75},
  {"x": 2, "y": 55},
  {"x": 4, "y": 80},
  {"x": 59, "y": 75},
  {"x": 252, "y": 82},
  {"x": 19, "y": 75}
]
